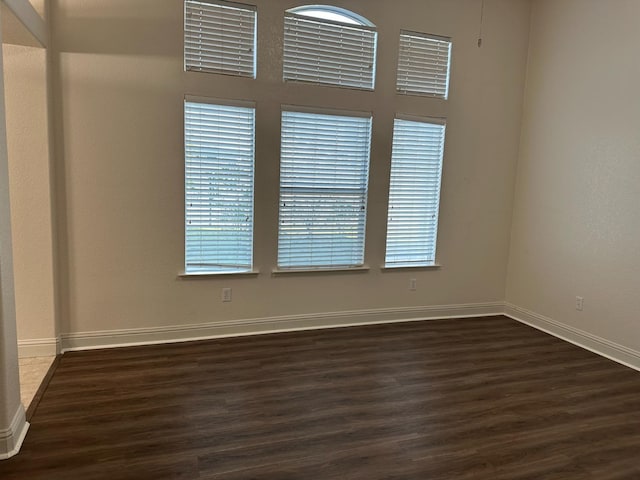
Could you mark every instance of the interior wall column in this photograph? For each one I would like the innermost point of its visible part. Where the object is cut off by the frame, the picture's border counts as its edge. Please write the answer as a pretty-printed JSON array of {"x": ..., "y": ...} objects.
[{"x": 13, "y": 425}]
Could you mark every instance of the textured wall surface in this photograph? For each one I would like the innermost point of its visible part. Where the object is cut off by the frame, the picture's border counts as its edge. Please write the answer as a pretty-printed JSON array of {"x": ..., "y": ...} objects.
[
  {"x": 9, "y": 381},
  {"x": 576, "y": 217},
  {"x": 30, "y": 177}
]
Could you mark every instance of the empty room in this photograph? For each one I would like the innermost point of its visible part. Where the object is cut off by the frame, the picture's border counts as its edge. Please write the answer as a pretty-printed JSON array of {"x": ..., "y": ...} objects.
[{"x": 277, "y": 239}]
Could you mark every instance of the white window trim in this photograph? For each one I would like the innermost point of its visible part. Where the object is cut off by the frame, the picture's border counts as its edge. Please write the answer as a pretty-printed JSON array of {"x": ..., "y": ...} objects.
[
  {"x": 220, "y": 101},
  {"x": 292, "y": 271},
  {"x": 419, "y": 118},
  {"x": 326, "y": 111},
  {"x": 390, "y": 268},
  {"x": 203, "y": 275},
  {"x": 363, "y": 23}
]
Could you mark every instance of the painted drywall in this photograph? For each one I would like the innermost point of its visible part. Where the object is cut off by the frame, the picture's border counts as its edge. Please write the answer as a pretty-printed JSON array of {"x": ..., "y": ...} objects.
[
  {"x": 25, "y": 22},
  {"x": 576, "y": 217},
  {"x": 10, "y": 404},
  {"x": 29, "y": 173},
  {"x": 118, "y": 86}
]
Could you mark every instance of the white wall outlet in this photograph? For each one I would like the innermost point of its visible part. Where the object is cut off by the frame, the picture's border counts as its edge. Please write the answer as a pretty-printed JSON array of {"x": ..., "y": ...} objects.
[
  {"x": 226, "y": 294},
  {"x": 579, "y": 303},
  {"x": 413, "y": 284}
]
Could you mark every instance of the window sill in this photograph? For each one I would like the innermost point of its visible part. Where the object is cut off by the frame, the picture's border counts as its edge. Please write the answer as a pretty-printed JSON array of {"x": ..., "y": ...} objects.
[
  {"x": 201, "y": 275},
  {"x": 435, "y": 266},
  {"x": 276, "y": 272}
]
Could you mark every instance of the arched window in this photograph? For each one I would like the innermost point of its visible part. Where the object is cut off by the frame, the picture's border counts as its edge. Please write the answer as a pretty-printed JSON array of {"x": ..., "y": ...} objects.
[
  {"x": 334, "y": 14},
  {"x": 329, "y": 45}
]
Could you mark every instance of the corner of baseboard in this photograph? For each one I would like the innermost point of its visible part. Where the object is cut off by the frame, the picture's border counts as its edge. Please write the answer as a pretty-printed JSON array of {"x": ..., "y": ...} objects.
[
  {"x": 598, "y": 345},
  {"x": 11, "y": 438},
  {"x": 39, "y": 347}
]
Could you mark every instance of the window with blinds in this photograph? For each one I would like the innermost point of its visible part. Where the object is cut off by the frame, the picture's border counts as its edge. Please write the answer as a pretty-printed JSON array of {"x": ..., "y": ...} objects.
[
  {"x": 219, "y": 166},
  {"x": 337, "y": 49},
  {"x": 220, "y": 37},
  {"x": 423, "y": 64},
  {"x": 414, "y": 193},
  {"x": 324, "y": 171}
]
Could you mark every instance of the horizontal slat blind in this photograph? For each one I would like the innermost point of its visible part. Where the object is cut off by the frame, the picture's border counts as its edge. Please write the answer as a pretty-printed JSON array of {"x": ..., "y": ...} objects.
[
  {"x": 220, "y": 38},
  {"x": 219, "y": 165},
  {"x": 414, "y": 193},
  {"x": 324, "y": 171},
  {"x": 423, "y": 64},
  {"x": 324, "y": 52}
]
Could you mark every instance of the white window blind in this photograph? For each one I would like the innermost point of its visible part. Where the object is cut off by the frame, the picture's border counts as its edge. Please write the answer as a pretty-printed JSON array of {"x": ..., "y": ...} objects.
[
  {"x": 329, "y": 52},
  {"x": 220, "y": 38},
  {"x": 324, "y": 171},
  {"x": 414, "y": 193},
  {"x": 423, "y": 64},
  {"x": 219, "y": 166}
]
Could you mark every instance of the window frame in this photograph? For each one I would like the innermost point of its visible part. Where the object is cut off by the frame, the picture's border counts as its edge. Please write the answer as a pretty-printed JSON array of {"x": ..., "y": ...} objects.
[
  {"x": 354, "y": 17},
  {"x": 242, "y": 270},
  {"x": 407, "y": 72},
  {"x": 361, "y": 266},
  {"x": 221, "y": 71},
  {"x": 364, "y": 25},
  {"x": 421, "y": 263}
]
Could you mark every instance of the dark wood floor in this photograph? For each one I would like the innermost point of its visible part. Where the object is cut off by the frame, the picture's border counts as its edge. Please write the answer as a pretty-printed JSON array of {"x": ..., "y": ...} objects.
[{"x": 455, "y": 399}]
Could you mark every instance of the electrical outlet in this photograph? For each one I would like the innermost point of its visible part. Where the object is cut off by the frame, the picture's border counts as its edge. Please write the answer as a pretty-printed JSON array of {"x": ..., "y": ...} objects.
[
  {"x": 579, "y": 303},
  {"x": 226, "y": 294},
  {"x": 413, "y": 284}
]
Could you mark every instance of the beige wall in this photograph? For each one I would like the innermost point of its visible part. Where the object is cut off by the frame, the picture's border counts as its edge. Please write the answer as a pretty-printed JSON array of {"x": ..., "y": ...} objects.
[
  {"x": 10, "y": 406},
  {"x": 29, "y": 173},
  {"x": 119, "y": 89},
  {"x": 577, "y": 218}
]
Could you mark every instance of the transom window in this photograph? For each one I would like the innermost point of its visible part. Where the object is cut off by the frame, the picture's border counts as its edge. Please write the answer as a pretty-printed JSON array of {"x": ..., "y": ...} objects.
[
  {"x": 329, "y": 45},
  {"x": 334, "y": 14},
  {"x": 220, "y": 37},
  {"x": 423, "y": 64}
]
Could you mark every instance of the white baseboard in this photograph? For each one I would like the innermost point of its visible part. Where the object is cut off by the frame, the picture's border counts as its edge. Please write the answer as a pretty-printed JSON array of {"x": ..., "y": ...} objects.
[
  {"x": 606, "y": 348},
  {"x": 39, "y": 347},
  {"x": 256, "y": 326},
  {"x": 11, "y": 438}
]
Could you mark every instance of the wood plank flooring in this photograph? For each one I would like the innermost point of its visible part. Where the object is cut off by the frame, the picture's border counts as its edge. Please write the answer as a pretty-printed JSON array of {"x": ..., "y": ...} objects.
[{"x": 471, "y": 399}]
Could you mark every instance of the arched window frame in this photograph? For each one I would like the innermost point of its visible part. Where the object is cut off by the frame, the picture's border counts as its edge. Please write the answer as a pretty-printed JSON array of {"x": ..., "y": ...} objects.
[
  {"x": 348, "y": 17},
  {"x": 339, "y": 51}
]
